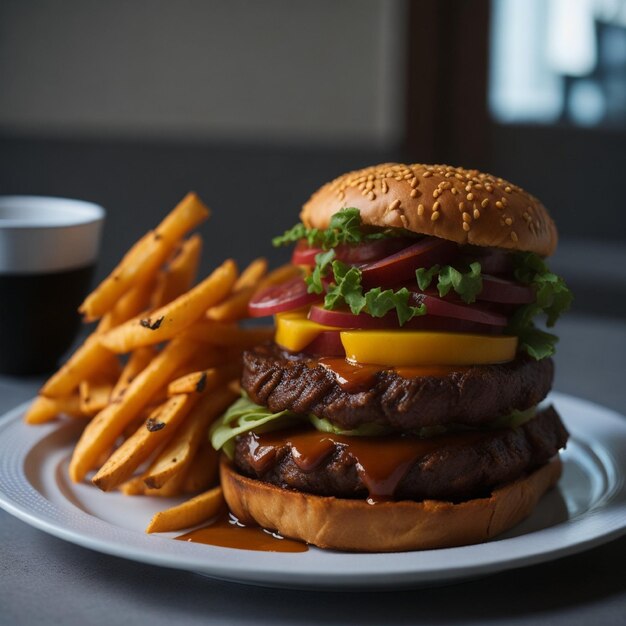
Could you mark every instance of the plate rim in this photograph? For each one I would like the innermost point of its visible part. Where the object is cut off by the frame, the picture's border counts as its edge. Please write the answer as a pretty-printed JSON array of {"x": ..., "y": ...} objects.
[{"x": 341, "y": 570}]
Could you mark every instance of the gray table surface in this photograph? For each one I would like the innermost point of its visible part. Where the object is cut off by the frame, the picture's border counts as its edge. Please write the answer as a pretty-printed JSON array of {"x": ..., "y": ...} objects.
[{"x": 44, "y": 580}]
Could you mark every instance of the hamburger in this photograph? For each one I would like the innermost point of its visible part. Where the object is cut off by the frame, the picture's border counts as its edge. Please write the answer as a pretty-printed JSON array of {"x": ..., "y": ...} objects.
[{"x": 400, "y": 405}]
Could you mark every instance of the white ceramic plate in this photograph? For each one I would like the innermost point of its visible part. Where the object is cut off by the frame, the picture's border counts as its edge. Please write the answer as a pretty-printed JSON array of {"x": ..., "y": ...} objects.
[{"x": 588, "y": 508}]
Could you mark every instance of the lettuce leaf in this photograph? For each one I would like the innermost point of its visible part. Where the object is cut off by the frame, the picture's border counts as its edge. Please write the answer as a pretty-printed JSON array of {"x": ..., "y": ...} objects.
[
  {"x": 347, "y": 289},
  {"x": 466, "y": 284},
  {"x": 242, "y": 417},
  {"x": 322, "y": 262},
  {"x": 344, "y": 227},
  {"x": 364, "y": 430},
  {"x": 553, "y": 299}
]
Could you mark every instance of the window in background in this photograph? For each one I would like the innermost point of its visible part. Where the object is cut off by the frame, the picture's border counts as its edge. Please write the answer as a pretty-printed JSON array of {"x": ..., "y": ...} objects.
[{"x": 558, "y": 61}]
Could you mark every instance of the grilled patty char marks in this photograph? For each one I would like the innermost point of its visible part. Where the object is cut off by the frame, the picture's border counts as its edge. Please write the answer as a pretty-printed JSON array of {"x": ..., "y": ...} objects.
[
  {"x": 474, "y": 396},
  {"x": 458, "y": 471}
]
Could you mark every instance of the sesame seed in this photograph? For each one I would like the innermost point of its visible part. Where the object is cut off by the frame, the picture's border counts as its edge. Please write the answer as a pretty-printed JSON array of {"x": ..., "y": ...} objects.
[
  {"x": 504, "y": 201},
  {"x": 413, "y": 182},
  {"x": 499, "y": 205},
  {"x": 466, "y": 226},
  {"x": 435, "y": 216},
  {"x": 384, "y": 186},
  {"x": 420, "y": 210},
  {"x": 476, "y": 214},
  {"x": 470, "y": 196},
  {"x": 466, "y": 217},
  {"x": 461, "y": 206},
  {"x": 508, "y": 189},
  {"x": 436, "y": 206},
  {"x": 436, "y": 193},
  {"x": 454, "y": 190},
  {"x": 508, "y": 221},
  {"x": 514, "y": 235},
  {"x": 485, "y": 203},
  {"x": 395, "y": 204},
  {"x": 427, "y": 174},
  {"x": 371, "y": 195},
  {"x": 413, "y": 193}
]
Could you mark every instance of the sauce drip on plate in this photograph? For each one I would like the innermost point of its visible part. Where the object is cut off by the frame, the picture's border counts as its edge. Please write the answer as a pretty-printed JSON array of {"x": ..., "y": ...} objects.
[{"x": 228, "y": 532}]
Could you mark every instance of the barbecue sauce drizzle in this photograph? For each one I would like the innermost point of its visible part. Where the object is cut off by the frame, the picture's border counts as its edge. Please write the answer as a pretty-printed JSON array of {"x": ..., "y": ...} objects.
[
  {"x": 381, "y": 472},
  {"x": 353, "y": 377}
]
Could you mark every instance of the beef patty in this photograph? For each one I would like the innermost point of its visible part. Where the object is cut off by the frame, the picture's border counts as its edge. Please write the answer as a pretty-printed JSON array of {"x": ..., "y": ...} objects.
[
  {"x": 457, "y": 467},
  {"x": 471, "y": 396}
]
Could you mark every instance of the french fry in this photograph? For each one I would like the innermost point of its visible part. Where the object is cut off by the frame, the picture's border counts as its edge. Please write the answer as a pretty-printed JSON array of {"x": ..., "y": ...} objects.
[
  {"x": 104, "y": 429},
  {"x": 203, "y": 381},
  {"x": 280, "y": 275},
  {"x": 235, "y": 307},
  {"x": 92, "y": 357},
  {"x": 201, "y": 360},
  {"x": 44, "y": 409},
  {"x": 181, "y": 273},
  {"x": 203, "y": 471},
  {"x": 228, "y": 335},
  {"x": 137, "y": 362},
  {"x": 146, "y": 256},
  {"x": 251, "y": 276},
  {"x": 189, "y": 513},
  {"x": 94, "y": 395},
  {"x": 131, "y": 304},
  {"x": 179, "y": 453},
  {"x": 156, "y": 430},
  {"x": 133, "y": 487},
  {"x": 171, "y": 319},
  {"x": 173, "y": 487}
]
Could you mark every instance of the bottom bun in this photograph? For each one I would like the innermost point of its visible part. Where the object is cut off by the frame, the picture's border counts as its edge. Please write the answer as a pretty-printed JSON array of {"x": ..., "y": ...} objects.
[{"x": 355, "y": 525}]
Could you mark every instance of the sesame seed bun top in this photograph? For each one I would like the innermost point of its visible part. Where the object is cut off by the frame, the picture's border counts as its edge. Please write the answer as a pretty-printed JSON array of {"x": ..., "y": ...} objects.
[{"x": 465, "y": 206}]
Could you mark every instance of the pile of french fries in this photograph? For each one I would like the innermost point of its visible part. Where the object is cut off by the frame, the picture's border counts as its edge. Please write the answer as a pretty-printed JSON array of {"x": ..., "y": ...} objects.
[{"x": 161, "y": 365}]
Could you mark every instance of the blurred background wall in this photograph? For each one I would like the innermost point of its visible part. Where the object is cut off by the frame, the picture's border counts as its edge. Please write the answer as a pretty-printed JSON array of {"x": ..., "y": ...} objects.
[{"x": 255, "y": 104}]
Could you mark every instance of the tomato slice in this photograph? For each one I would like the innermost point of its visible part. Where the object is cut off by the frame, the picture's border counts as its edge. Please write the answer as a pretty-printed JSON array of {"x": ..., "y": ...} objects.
[
  {"x": 352, "y": 254},
  {"x": 491, "y": 261},
  {"x": 284, "y": 297},
  {"x": 505, "y": 291},
  {"x": 495, "y": 290},
  {"x": 345, "y": 319},
  {"x": 401, "y": 266},
  {"x": 469, "y": 312},
  {"x": 327, "y": 343}
]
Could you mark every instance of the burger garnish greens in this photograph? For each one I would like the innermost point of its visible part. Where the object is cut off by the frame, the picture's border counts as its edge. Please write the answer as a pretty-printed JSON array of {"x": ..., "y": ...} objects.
[
  {"x": 342, "y": 285},
  {"x": 407, "y": 370}
]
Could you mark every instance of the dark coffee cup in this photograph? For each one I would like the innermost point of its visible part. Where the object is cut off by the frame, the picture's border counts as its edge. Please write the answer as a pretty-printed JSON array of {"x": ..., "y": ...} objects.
[{"x": 48, "y": 250}]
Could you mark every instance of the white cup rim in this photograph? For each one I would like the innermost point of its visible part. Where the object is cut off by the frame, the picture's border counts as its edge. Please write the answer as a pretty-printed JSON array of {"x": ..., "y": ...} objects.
[{"x": 48, "y": 212}]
